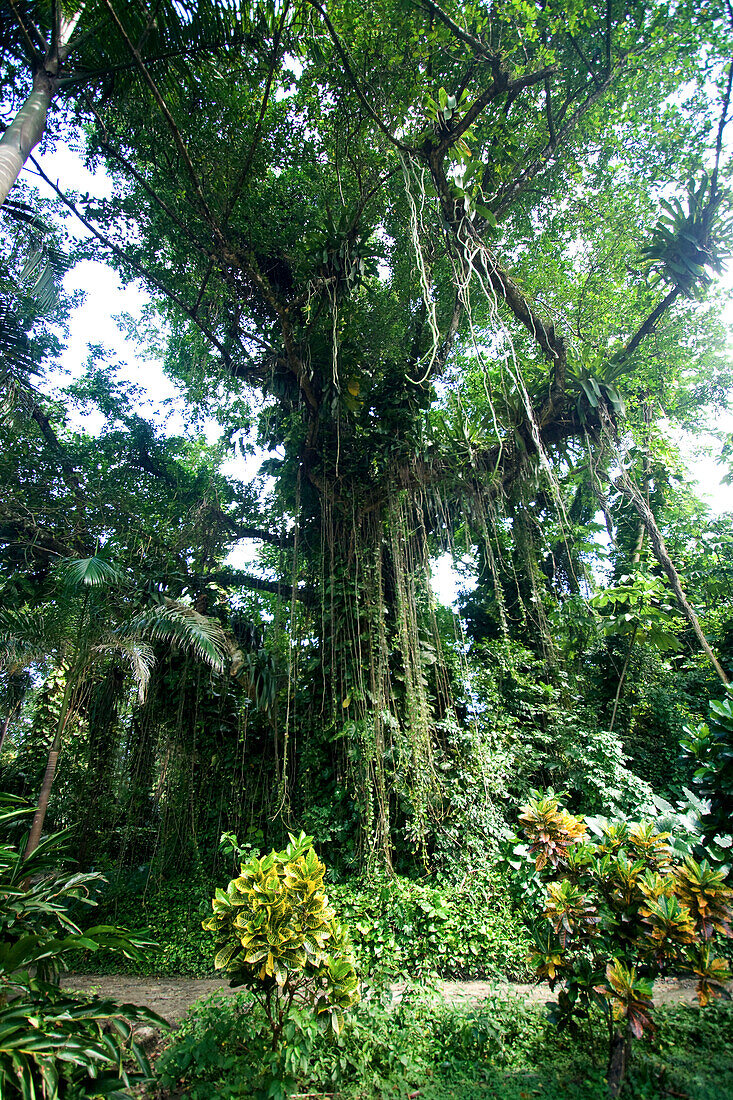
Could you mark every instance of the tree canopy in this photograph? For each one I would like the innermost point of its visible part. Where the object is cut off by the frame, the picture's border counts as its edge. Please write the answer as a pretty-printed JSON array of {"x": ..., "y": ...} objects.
[{"x": 452, "y": 267}]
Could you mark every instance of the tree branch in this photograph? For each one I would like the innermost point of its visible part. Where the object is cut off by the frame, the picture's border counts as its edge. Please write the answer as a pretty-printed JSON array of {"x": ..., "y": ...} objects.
[
  {"x": 506, "y": 195},
  {"x": 499, "y": 87},
  {"x": 479, "y": 48},
  {"x": 38, "y": 50},
  {"x": 163, "y": 107},
  {"x": 341, "y": 51},
  {"x": 243, "y": 531},
  {"x": 58, "y": 449},
  {"x": 233, "y": 578},
  {"x": 134, "y": 264},
  {"x": 648, "y": 326}
]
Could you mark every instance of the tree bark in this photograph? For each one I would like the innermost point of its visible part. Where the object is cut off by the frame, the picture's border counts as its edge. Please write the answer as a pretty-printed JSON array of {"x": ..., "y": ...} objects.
[
  {"x": 618, "y": 1061},
  {"x": 40, "y": 815},
  {"x": 4, "y": 730},
  {"x": 49, "y": 775},
  {"x": 24, "y": 132}
]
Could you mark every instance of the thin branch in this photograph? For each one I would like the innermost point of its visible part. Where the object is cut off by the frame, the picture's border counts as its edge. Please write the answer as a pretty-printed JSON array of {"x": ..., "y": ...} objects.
[
  {"x": 40, "y": 49},
  {"x": 258, "y": 128},
  {"x": 204, "y": 284},
  {"x": 275, "y": 588},
  {"x": 134, "y": 264},
  {"x": 509, "y": 193},
  {"x": 656, "y": 540},
  {"x": 548, "y": 112},
  {"x": 476, "y": 44},
  {"x": 149, "y": 190},
  {"x": 57, "y": 447},
  {"x": 584, "y": 59},
  {"x": 648, "y": 326},
  {"x": 341, "y": 50},
  {"x": 243, "y": 531},
  {"x": 609, "y": 34},
  {"x": 163, "y": 107},
  {"x": 499, "y": 87},
  {"x": 724, "y": 120}
]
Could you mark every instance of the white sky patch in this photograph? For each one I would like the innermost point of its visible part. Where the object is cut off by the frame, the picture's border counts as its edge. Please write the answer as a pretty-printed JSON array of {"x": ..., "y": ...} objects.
[{"x": 448, "y": 582}]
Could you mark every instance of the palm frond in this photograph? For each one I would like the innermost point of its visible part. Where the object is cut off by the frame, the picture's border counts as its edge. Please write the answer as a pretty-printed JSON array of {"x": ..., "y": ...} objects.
[
  {"x": 89, "y": 572},
  {"x": 174, "y": 621},
  {"x": 27, "y": 635},
  {"x": 139, "y": 656}
]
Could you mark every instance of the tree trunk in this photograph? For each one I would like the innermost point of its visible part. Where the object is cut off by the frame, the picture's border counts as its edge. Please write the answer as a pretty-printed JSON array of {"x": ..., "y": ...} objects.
[
  {"x": 4, "y": 730},
  {"x": 618, "y": 1061},
  {"x": 661, "y": 553},
  {"x": 24, "y": 132},
  {"x": 50, "y": 773},
  {"x": 622, "y": 677},
  {"x": 29, "y": 125},
  {"x": 40, "y": 815}
]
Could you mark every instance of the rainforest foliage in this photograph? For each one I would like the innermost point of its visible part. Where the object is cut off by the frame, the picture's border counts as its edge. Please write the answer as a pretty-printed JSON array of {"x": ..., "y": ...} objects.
[{"x": 449, "y": 277}]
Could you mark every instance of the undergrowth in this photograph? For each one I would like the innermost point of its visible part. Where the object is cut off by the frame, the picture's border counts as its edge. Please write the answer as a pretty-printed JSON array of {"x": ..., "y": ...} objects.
[
  {"x": 500, "y": 1051},
  {"x": 397, "y": 927}
]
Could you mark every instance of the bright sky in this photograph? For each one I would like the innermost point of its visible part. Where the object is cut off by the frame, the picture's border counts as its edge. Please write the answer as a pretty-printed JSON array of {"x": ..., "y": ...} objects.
[{"x": 94, "y": 322}]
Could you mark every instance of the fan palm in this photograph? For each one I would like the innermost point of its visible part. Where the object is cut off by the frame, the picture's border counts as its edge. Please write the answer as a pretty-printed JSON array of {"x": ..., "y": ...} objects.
[
  {"x": 70, "y": 636},
  {"x": 71, "y": 46}
]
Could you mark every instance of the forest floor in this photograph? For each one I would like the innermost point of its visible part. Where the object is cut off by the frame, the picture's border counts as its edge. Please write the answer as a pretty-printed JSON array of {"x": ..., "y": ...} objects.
[{"x": 172, "y": 997}]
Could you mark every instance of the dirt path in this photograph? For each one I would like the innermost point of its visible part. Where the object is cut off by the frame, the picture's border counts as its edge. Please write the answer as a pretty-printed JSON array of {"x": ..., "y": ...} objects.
[{"x": 172, "y": 997}]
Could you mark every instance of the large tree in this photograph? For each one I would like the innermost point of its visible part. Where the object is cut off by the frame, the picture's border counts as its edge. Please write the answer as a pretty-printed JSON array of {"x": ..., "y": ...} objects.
[{"x": 382, "y": 209}]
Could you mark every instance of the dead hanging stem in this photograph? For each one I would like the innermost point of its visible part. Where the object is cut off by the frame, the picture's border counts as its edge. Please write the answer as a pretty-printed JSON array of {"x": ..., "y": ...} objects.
[{"x": 630, "y": 490}]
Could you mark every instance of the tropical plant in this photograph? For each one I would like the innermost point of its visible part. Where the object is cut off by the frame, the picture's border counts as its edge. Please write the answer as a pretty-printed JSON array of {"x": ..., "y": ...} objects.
[
  {"x": 53, "y": 1043},
  {"x": 277, "y": 935},
  {"x": 708, "y": 749},
  {"x": 621, "y": 909},
  {"x": 76, "y": 634},
  {"x": 637, "y": 609},
  {"x": 343, "y": 262}
]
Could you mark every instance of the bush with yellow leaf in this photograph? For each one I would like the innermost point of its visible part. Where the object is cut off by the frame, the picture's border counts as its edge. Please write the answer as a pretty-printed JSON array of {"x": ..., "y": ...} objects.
[
  {"x": 619, "y": 910},
  {"x": 277, "y": 935}
]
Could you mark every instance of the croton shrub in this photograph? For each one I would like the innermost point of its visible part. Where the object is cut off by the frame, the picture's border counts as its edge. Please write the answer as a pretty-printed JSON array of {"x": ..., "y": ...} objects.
[
  {"x": 277, "y": 935},
  {"x": 620, "y": 909}
]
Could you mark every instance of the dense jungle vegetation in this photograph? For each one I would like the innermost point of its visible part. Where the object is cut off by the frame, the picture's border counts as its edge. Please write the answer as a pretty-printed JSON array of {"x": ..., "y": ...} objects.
[{"x": 451, "y": 279}]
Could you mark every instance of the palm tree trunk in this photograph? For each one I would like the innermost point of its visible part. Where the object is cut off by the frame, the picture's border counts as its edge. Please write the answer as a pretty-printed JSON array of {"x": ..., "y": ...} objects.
[
  {"x": 4, "y": 730},
  {"x": 40, "y": 815},
  {"x": 29, "y": 125},
  {"x": 49, "y": 775},
  {"x": 24, "y": 132}
]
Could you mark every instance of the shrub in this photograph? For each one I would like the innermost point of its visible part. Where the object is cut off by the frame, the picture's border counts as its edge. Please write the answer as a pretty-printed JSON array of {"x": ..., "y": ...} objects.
[
  {"x": 277, "y": 935},
  {"x": 52, "y": 1043},
  {"x": 404, "y": 927},
  {"x": 708, "y": 748},
  {"x": 500, "y": 1049},
  {"x": 616, "y": 907},
  {"x": 224, "y": 1048}
]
